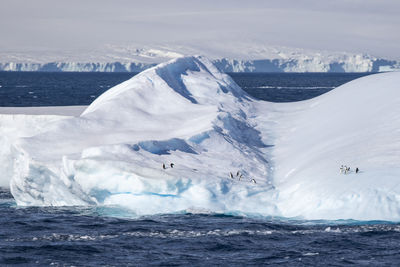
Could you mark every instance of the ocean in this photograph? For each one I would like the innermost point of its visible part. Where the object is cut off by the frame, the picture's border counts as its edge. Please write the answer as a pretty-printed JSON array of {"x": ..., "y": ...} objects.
[
  {"x": 107, "y": 236},
  {"x": 21, "y": 89}
]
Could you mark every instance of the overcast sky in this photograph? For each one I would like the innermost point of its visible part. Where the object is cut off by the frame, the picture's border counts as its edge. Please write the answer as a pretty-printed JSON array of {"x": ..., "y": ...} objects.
[{"x": 369, "y": 26}]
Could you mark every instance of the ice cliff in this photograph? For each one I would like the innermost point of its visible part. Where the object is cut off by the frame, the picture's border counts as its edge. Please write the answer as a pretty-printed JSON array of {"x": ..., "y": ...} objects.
[
  {"x": 75, "y": 66},
  {"x": 357, "y": 63},
  {"x": 231, "y": 153},
  {"x": 240, "y": 58}
]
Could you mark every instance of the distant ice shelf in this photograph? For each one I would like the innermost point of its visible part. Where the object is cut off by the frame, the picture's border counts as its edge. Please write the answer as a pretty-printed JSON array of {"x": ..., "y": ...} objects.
[
  {"x": 75, "y": 67},
  {"x": 238, "y": 58},
  {"x": 356, "y": 64}
]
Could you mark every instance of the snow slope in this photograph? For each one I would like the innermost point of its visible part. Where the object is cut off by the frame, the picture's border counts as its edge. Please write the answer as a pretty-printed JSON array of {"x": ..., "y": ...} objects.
[
  {"x": 357, "y": 125},
  {"x": 232, "y": 154}
]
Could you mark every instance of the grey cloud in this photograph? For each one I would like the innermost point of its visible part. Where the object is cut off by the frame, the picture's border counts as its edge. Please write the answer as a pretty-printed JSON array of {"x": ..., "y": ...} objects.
[{"x": 348, "y": 25}]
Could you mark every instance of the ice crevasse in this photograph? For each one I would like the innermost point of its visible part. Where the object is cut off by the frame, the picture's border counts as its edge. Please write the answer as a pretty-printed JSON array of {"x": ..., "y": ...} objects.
[{"x": 231, "y": 153}]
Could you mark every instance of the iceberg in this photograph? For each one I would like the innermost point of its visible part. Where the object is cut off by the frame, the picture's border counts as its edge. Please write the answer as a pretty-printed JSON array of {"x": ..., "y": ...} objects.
[{"x": 182, "y": 136}]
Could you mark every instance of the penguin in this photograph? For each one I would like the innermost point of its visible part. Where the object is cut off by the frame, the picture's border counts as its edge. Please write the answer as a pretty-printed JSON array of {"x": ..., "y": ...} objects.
[
  {"x": 172, "y": 165},
  {"x": 231, "y": 175},
  {"x": 357, "y": 170},
  {"x": 237, "y": 174},
  {"x": 163, "y": 166},
  {"x": 253, "y": 181},
  {"x": 240, "y": 177}
]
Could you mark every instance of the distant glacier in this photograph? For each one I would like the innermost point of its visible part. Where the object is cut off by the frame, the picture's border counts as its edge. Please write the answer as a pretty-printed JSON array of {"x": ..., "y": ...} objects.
[
  {"x": 76, "y": 67},
  {"x": 350, "y": 64},
  {"x": 240, "y": 58}
]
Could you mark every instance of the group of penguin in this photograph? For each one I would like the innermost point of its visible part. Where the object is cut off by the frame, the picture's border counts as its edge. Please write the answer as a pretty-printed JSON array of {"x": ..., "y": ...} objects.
[
  {"x": 240, "y": 176},
  {"x": 171, "y": 165},
  {"x": 344, "y": 169}
]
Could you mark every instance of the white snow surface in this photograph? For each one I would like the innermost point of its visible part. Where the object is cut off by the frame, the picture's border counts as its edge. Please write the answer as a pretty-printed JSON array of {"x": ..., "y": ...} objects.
[
  {"x": 284, "y": 159},
  {"x": 16, "y": 122}
]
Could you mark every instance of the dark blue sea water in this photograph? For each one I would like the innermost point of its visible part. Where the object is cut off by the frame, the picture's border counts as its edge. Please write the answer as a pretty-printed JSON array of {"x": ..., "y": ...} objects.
[
  {"x": 104, "y": 236},
  {"x": 63, "y": 88}
]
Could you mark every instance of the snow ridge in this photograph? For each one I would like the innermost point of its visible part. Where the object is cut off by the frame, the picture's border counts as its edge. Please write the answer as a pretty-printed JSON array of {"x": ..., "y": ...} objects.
[{"x": 184, "y": 111}]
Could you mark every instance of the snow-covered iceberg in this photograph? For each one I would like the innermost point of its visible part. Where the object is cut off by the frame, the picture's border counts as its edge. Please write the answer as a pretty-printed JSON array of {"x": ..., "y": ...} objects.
[
  {"x": 184, "y": 112},
  {"x": 230, "y": 153}
]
